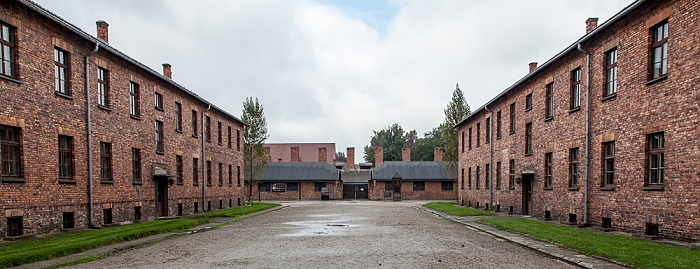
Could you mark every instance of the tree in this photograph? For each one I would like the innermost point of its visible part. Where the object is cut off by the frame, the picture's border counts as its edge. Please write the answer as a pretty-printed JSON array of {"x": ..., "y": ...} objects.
[
  {"x": 457, "y": 109},
  {"x": 393, "y": 139},
  {"x": 424, "y": 149},
  {"x": 254, "y": 136},
  {"x": 340, "y": 157}
]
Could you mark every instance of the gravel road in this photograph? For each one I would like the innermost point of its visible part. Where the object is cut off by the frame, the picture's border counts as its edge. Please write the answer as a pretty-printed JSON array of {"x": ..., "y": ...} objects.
[{"x": 334, "y": 234}]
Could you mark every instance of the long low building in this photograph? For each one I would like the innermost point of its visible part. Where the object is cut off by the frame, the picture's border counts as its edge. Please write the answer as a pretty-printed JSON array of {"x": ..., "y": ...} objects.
[{"x": 605, "y": 133}]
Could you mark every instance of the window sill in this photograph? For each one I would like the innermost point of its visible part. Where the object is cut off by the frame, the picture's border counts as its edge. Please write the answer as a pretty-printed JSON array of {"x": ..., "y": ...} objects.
[
  {"x": 135, "y": 117},
  {"x": 549, "y": 188},
  {"x": 136, "y": 183},
  {"x": 548, "y": 118},
  {"x": 63, "y": 95},
  {"x": 655, "y": 80},
  {"x": 208, "y": 185},
  {"x": 179, "y": 131},
  {"x": 511, "y": 188},
  {"x": 104, "y": 108},
  {"x": 110, "y": 182},
  {"x": 195, "y": 136},
  {"x": 180, "y": 183},
  {"x": 160, "y": 152},
  {"x": 195, "y": 184},
  {"x": 528, "y": 109},
  {"x": 607, "y": 188},
  {"x": 574, "y": 109},
  {"x": 13, "y": 180},
  {"x": 160, "y": 108},
  {"x": 608, "y": 97},
  {"x": 659, "y": 187},
  {"x": 67, "y": 181},
  {"x": 11, "y": 79},
  {"x": 574, "y": 188},
  {"x": 528, "y": 154},
  {"x": 511, "y": 133}
]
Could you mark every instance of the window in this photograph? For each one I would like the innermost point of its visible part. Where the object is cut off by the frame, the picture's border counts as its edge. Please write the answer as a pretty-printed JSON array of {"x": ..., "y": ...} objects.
[
  {"x": 573, "y": 167},
  {"x": 478, "y": 134},
  {"x": 107, "y": 216},
  {"x": 61, "y": 60},
  {"x": 136, "y": 165},
  {"x": 230, "y": 176},
  {"x": 105, "y": 162},
  {"x": 575, "y": 88},
  {"x": 292, "y": 186},
  {"x": 462, "y": 178},
  {"x": 447, "y": 186},
  {"x": 137, "y": 213},
  {"x": 65, "y": 157},
  {"x": 418, "y": 186},
  {"x": 470, "y": 138},
  {"x": 389, "y": 186},
  {"x": 470, "y": 178},
  {"x": 218, "y": 132},
  {"x": 478, "y": 178},
  {"x": 160, "y": 148},
  {"x": 659, "y": 50},
  {"x": 528, "y": 102},
  {"x": 463, "y": 146},
  {"x": 610, "y": 73},
  {"x": 548, "y": 170},
  {"x": 264, "y": 187},
  {"x": 498, "y": 175},
  {"x": 238, "y": 176},
  {"x": 498, "y": 125},
  {"x": 511, "y": 174},
  {"x": 14, "y": 226},
  {"x": 194, "y": 123},
  {"x": 487, "y": 174},
  {"x": 178, "y": 117},
  {"x": 656, "y": 158},
  {"x": 228, "y": 128},
  {"x": 178, "y": 169},
  {"x": 319, "y": 185},
  {"x": 102, "y": 87},
  {"x": 195, "y": 171},
  {"x": 208, "y": 173},
  {"x": 238, "y": 140},
  {"x": 221, "y": 174},
  {"x": 609, "y": 163},
  {"x": 278, "y": 187},
  {"x": 7, "y": 53},
  {"x": 159, "y": 101},
  {"x": 528, "y": 138},
  {"x": 134, "y": 99},
  {"x": 68, "y": 220},
  {"x": 207, "y": 128},
  {"x": 512, "y": 118},
  {"x": 549, "y": 105},
  {"x": 488, "y": 130}
]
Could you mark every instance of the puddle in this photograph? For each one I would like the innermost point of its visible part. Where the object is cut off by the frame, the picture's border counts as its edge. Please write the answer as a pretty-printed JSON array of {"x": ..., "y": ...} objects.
[{"x": 323, "y": 225}]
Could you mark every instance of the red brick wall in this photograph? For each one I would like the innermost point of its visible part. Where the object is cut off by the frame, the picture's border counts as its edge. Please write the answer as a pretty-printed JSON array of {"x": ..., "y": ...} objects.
[
  {"x": 433, "y": 191},
  {"x": 639, "y": 109},
  {"x": 308, "y": 152}
]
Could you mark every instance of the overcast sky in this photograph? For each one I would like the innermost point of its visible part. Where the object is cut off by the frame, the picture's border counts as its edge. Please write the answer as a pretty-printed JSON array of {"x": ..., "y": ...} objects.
[{"x": 333, "y": 71}]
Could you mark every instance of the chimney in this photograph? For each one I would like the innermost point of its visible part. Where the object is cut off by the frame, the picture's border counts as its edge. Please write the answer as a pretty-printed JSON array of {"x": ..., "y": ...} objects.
[
  {"x": 322, "y": 155},
  {"x": 438, "y": 154},
  {"x": 533, "y": 66},
  {"x": 102, "y": 32},
  {"x": 591, "y": 24},
  {"x": 295, "y": 154},
  {"x": 350, "y": 158},
  {"x": 406, "y": 154},
  {"x": 378, "y": 156},
  {"x": 167, "y": 71}
]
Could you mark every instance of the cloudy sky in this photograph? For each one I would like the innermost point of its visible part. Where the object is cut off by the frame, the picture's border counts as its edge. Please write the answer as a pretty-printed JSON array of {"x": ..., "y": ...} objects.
[{"x": 331, "y": 70}]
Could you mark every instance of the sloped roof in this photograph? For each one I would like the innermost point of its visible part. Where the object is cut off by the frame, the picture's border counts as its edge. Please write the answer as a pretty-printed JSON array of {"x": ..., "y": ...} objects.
[
  {"x": 306, "y": 171},
  {"x": 356, "y": 176},
  {"x": 413, "y": 171}
]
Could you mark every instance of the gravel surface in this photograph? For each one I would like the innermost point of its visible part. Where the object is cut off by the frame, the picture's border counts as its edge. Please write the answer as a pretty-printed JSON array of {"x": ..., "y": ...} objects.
[{"x": 334, "y": 234}]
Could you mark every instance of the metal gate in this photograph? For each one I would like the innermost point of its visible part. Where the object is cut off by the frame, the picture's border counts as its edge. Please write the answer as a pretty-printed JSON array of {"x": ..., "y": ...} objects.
[{"x": 355, "y": 191}]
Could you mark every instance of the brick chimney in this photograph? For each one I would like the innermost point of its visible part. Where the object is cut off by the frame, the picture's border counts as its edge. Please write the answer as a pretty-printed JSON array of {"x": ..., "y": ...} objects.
[
  {"x": 406, "y": 154},
  {"x": 350, "y": 163},
  {"x": 378, "y": 156},
  {"x": 102, "y": 31},
  {"x": 591, "y": 24},
  {"x": 533, "y": 66},
  {"x": 295, "y": 154},
  {"x": 167, "y": 71},
  {"x": 322, "y": 155},
  {"x": 438, "y": 154}
]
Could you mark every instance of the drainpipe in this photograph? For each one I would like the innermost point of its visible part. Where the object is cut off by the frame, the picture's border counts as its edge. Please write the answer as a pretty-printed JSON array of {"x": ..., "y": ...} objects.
[
  {"x": 91, "y": 213},
  {"x": 588, "y": 132},
  {"x": 490, "y": 158},
  {"x": 204, "y": 164}
]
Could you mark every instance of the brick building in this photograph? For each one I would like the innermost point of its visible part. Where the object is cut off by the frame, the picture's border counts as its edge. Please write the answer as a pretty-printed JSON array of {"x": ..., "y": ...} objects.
[
  {"x": 90, "y": 136},
  {"x": 605, "y": 133},
  {"x": 298, "y": 181},
  {"x": 301, "y": 152}
]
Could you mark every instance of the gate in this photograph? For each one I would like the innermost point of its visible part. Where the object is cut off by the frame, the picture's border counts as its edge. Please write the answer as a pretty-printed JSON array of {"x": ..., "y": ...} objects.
[{"x": 355, "y": 191}]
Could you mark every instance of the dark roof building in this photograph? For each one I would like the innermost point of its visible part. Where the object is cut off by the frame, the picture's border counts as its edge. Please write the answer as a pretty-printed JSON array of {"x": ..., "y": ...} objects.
[{"x": 414, "y": 171}]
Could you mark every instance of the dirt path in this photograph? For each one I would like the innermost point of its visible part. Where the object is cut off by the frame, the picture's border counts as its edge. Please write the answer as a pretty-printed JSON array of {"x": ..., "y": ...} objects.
[{"x": 343, "y": 234}]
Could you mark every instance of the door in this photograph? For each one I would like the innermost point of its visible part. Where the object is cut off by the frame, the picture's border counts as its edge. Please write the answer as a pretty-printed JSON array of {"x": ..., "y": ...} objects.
[
  {"x": 527, "y": 194},
  {"x": 355, "y": 191},
  {"x": 162, "y": 196}
]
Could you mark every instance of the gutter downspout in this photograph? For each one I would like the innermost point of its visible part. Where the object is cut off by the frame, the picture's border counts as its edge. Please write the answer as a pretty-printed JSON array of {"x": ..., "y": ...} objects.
[
  {"x": 490, "y": 158},
  {"x": 204, "y": 164},
  {"x": 91, "y": 212},
  {"x": 588, "y": 132}
]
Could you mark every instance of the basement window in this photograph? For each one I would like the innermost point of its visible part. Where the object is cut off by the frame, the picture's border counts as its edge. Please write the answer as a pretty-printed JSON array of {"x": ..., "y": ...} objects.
[
  {"x": 208, "y": 205},
  {"x": 221, "y": 204},
  {"x": 652, "y": 229},
  {"x": 179, "y": 209},
  {"x": 137, "y": 212},
  {"x": 572, "y": 218},
  {"x": 607, "y": 223},
  {"x": 511, "y": 210},
  {"x": 14, "y": 226},
  {"x": 498, "y": 208},
  {"x": 547, "y": 214},
  {"x": 196, "y": 207},
  {"x": 477, "y": 204},
  {"x": 68, "y": 220},
  {"x": 107, "y": 215}
]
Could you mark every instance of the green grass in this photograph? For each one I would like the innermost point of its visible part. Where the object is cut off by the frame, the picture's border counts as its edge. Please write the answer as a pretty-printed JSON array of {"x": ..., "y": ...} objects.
[
  {"x": 454, "y": 209},
  {"x": 238, "y": 211},
  {"x": 43, "y": 248},
  {"x": 636, "y": 252}
]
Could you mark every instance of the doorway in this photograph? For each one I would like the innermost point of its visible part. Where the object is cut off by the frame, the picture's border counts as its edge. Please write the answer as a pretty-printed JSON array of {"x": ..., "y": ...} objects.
[
  {"x": 527, "y": 194},
  {"x": 161, "y": 196}
]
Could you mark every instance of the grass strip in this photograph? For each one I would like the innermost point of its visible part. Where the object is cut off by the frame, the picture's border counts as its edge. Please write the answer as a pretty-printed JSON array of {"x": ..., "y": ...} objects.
[
  {"x": 238, "y": 211},
  {"x": 632, "y": 251},
  {"x": 454, "y": 209}
]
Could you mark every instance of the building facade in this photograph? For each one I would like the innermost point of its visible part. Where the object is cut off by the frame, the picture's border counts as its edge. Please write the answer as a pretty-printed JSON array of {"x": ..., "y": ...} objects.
[
  {"x": 301, "y": 152},
  {"x": 91, "y": 137},
  {"x": 605, "y": 133}
]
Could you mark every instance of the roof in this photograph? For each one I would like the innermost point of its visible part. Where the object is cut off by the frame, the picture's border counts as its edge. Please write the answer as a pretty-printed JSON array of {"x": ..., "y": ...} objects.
[
  {"x": 413, "y": 171},
  {"x": 356, "y": 176},
  {"x": 104, "y": 46},
  {"x": 306, "y": 171},
  {"x": 560, "y": 55}
]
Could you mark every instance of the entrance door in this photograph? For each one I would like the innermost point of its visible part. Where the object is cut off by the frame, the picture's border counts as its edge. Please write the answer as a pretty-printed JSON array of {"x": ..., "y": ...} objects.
[
  {"x": 527, "y": 194},
  {"x": 162, "y": 196},
  {"x": 355, "y": 191}
]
